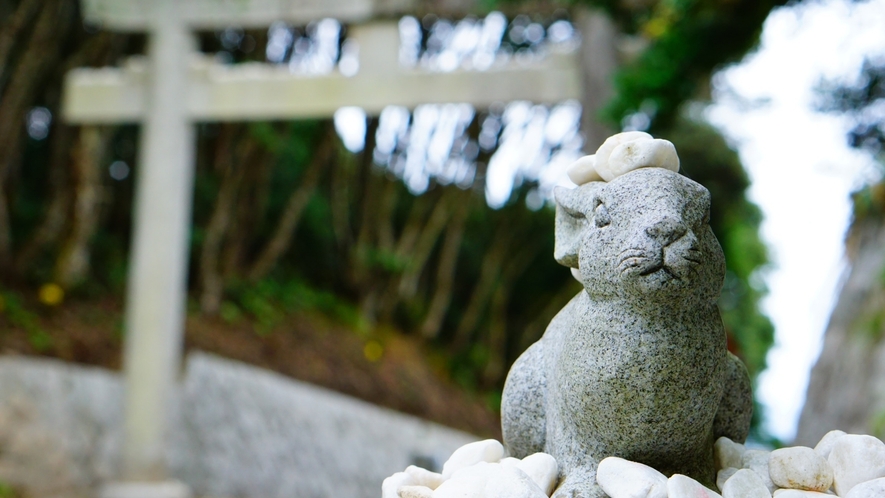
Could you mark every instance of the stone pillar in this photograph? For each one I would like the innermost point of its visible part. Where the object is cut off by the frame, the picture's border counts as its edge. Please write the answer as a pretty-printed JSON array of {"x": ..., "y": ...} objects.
[{"x": 156, "y": 294}]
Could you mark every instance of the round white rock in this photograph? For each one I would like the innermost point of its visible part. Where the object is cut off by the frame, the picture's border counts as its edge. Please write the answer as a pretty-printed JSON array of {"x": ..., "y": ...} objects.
[
  {"x": 800, "y": 467},
  {"x": 745, "y": 484},
  {"x": 488, "y": 450},
  {"x": 680, "y": 486},
  {"x": 621, "y": 478},
  {"x": 855, "y": 459}
]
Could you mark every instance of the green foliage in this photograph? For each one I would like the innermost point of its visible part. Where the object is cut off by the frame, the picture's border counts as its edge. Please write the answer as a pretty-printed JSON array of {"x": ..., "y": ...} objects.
[
  {"x": 269, "y": 301},
  {"x": 7, "y": 491},
  {"x": 688, "y": 39},
  {"x": 877, "y": 425},
  {"x": 18, "y": 315},
  {"x": 857, "y": 101}
]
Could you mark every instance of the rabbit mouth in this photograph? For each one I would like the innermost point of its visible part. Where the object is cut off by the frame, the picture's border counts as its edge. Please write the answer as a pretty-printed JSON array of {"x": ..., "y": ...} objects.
[
  {"x": 661, "y": 268},
  {"x": 642, "y": 265}
]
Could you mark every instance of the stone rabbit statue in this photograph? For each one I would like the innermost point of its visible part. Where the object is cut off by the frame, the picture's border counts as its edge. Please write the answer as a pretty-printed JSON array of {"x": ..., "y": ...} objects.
[{"x": 636, "y": 365}]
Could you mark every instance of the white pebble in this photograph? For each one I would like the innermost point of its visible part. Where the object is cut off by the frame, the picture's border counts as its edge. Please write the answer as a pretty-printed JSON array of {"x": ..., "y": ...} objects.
[
  {"x": 467, "y": 482},
  {"x": 637, "y": 154},
  {"x": 415, "y": 492},
  {"x": 621, "y": 478},
  {"x": 723, "y": 475},
  {"x": 727, "y": 453},
  {"x": 855, "y": 459},
  {"x": 800, "y": 467},
  {"x": 757, "y": 461},
  {"x": 391, "y": 485},
  {"x": 584, "y": 170},
  {"x": 605, "y": 150},
  {"x": 797, "y": 493},
  {"x": 469, "y": 454},
  {"x": 745, "y": 484},
  {"x": 825, "y": 445},
  {"x": 680, "y": 486},
  {"x": 424, "y": 477},
  {"x": 542, "y": 469},
  {"x": 511, "y": 482},
  {"x": 869, "y": 489}
]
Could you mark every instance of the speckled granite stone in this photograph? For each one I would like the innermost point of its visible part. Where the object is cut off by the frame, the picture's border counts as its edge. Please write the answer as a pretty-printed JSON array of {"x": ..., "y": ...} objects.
[{"x": 635, "y": 366}]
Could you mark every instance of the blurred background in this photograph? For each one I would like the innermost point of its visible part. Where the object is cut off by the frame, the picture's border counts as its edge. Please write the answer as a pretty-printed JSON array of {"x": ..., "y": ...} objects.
[{"x": 403, "y": 255}]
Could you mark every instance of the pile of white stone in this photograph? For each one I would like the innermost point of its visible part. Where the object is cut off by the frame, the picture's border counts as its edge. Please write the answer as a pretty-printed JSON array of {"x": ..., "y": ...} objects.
[
  {"x": 477, "y": 470},
  {"x": 844, "y": 465}
]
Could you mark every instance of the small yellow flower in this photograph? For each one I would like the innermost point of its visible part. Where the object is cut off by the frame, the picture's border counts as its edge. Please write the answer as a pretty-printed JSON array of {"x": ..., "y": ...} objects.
[
  {"x": 51, "y": 294},
  {"x": 373, "y": 351}
]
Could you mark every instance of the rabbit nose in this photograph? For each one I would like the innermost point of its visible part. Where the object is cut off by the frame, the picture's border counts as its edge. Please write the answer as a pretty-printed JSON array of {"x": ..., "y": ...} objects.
[{"x": 666, "y": 231}]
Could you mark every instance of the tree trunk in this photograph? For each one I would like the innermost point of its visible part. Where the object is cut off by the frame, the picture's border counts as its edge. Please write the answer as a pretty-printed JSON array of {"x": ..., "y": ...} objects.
[
  {"x": 494, "y": 371},
  {"x": 211, "y": 281},
  {"x": 246, "y": 213},
  {"x": 482, "y": 291},
  {"x": 281, "y": 240},
  {"x": 41, "y": 55},
  {"x": 11, "y": 30},
  {"x": 445, "y": 271},
  {"x": 426, "y": 241},
  {"x": 56, "y": 215},
  {"x": 72, "y": 263}
]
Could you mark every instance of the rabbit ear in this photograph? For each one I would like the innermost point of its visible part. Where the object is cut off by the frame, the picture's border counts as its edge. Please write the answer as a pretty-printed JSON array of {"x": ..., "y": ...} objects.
[{"x": 572, "y": 208}]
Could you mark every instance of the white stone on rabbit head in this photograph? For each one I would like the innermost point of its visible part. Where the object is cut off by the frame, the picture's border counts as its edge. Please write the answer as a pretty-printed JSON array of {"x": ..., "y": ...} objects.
[{"x": 623, "y": 153}]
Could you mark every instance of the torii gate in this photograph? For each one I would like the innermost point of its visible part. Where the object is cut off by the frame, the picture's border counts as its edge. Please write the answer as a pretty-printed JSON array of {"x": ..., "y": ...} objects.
[{"x": 191, "y": 88}]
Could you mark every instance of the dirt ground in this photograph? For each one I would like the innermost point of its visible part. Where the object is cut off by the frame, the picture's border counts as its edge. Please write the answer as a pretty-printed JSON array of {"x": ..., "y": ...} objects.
[{"x": 387, "y": 369}]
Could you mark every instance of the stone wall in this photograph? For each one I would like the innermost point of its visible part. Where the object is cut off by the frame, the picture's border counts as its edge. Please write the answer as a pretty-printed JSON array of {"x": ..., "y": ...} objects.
[
  {"x": 237, "y": 431},
  {"x": 847, "y": 386}
]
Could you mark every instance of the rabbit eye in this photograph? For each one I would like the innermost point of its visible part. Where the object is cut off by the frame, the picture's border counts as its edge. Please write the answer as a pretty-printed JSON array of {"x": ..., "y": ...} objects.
[{"x": 600, "y": 216}]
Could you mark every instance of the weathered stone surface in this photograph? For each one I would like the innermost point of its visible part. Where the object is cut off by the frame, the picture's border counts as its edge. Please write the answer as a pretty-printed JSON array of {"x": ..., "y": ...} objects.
[
  {"x": 723, "y": 475},
  {"x": 284, "y": 438},
  {"x": 621, "y": 478},
  {"x": 488, "y": 450},
  {"x": 800, "y": 467},
  {"x": 745, "y": 484},
  {"x": 825, "y": 445},
  {"x": 61, "y": 426},
  {"x": 855, "y": 459},
  {"x": 727, "y": 453},
  {"x": 680, "y": 486},
  {"x": 869, "y": 489},
  {"x": 236, "y": 431},
  {"x": 846, "y": 389},
  {"x": 636, "y": 364}
]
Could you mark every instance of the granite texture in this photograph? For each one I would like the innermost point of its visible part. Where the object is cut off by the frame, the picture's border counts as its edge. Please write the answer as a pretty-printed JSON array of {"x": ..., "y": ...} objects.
[{"x": 635, "y": 366}]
